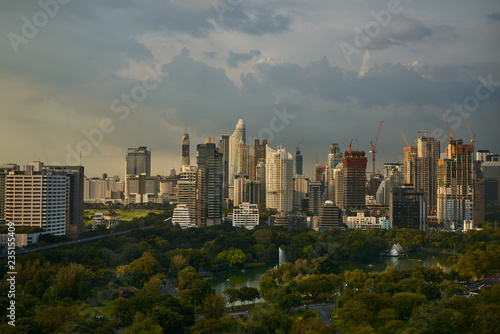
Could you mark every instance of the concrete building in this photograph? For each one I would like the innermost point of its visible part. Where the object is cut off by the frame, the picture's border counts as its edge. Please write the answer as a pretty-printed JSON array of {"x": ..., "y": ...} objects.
[
  {"x": 455, "y": 202},
  {"x": 252, "y": 192},
  {"x": 425, "y": 180},
  {"x": 338, "y": 186},
  {"x": 393, "y": 178},
  {"x": 75, "y": 188},
  {"x": 4, "y": 171},
  {"x": 300, "y": 193},
  {"x": 37, "y": 198},
  {"x": 410, "y": 154},
  {"x": 182, "y": 217},
  {"x": 237, "y": 136},
  {"x": 259, "y": 154},
  {"x": 289, "y": 220},
  {"x": 208, "y": 185},
  {"x": 354, "y": 179},
  {"x": 138, "y": 161},
  {"x": 490, "y": 171},
  {"x": 260, "y": 176},
  {"x": 334, "y": 158},
  {"x": 408, "y": 208},
  {"x": 247, "y": 215},
  {"x": 224, "y": 149},
  {"x": 330, "y": 217},
  {"x": 185, "y": 154},
  {"x": 239, "y": 188},
  {"x": 315, "y": 197},
  {"x": 186, "y": 191},
  {"x": 142, "y": 189},
  {"x": 279, "y": 179},
  {"x": 361, "y": 222}
]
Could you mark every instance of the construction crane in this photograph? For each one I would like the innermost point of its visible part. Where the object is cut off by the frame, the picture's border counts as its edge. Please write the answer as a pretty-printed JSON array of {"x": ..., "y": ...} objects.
[
  {"x": 298, "y": 145},
  {"x": 448, "y": 127},
  {"x": 357, "y": 146},
  {"x": 373, "y": 152},
  {"x": 425, "y": 132},
  {"x": 406, "y": 141},
  {"x": 472, "y": 137}
]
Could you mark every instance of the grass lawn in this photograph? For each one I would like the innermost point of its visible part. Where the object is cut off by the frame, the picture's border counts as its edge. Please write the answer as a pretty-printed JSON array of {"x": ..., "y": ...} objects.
[
  {"x": 125, "y": 215},
  {"x": 106, "y": 310}
]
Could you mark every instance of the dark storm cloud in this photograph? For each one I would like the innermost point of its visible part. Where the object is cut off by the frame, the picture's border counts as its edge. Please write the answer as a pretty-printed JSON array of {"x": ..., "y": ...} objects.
[
  {"x": 255, "y": 20},
  {"x": 234, "y": 59},
  {"x": 494, "y": 16},
  {"x": 401, "y": 31}
]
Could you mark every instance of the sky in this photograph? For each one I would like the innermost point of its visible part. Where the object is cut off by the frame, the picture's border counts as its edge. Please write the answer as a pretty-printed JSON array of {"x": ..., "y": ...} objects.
[{"x": 95, "y": 77}]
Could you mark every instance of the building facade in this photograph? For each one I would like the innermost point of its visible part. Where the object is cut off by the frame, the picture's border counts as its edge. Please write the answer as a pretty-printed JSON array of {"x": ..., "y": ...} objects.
[{"x": 279, "y": 179}]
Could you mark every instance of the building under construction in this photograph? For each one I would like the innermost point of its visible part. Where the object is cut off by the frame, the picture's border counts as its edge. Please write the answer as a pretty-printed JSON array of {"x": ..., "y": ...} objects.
[
  {"x": 455, "y": 197},
  {"x": 354, "y": 179}
]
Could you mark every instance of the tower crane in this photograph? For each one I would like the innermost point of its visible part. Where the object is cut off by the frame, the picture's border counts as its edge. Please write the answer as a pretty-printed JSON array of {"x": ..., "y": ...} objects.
[
  {"x": 448, "y": 127},
  {"x": 406, "y": 141},
  {"x": 472, "y": 137},
  {"x": 373, "y": 151},
  {"x": 357, "y": 144},
  {"x": 298, "y": 145}
]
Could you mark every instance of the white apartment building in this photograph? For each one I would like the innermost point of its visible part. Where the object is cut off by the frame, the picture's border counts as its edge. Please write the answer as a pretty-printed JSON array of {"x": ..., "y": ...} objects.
[{"x": 246, "y": 216}]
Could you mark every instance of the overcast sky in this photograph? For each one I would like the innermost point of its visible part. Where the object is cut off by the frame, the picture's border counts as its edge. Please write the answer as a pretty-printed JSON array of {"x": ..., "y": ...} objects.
[{"x": 137, "y": 72}]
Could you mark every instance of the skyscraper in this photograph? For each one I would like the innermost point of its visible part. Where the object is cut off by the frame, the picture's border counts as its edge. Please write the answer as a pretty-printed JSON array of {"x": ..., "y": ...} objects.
[
  {"x": 334, "y": 158},
  {"x": 224, "y": 149},
  {"x": 410, "y": 154},
  {"x": 455, "y": 197},
  {"x": 298, "y": 162},
  {"x": 315, "y": 197},
  {"x": 138, "y": 161},
  {"x": 259, "y": 152},
  {"x": 238, "y": 135},
  {"x": 185, "y": 161},
  {"x": 279, "y": 179},
  {"x": 426, "y": 170},
  {"x": 208, "y": 185},
  {"x": 354, "y": 179},
  {"x": 329, "y": 217}
]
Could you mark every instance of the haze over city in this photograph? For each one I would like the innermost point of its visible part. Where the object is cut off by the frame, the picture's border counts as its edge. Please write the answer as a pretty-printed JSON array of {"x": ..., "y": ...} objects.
[{"x": 204, "y": 65}]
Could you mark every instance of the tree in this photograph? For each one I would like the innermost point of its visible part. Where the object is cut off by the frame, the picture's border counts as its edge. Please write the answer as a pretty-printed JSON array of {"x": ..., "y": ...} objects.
[
  {"x": 405, "y": 302},
  {"x": 311, "y": 326},
  {"x": 143, "y": 325},
  {"x": 355, "y": 313},
  {"x": 232, "y": 295},
  {"x": 249, "y": 293},
  {"x": 214, "y": 306},
  {"x": 70, "y": 279},
  {"x": 142, "y": 269},
  {"x": 170, "y": 321},
  {"x": 235, "y": 257}
]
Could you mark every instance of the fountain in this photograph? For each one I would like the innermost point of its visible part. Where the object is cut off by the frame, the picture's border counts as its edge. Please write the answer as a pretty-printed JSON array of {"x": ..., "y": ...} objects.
[{"x": 282, "y": 257}]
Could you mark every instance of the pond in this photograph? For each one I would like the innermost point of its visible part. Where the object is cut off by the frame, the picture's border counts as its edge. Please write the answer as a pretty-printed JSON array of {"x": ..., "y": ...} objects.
[{"x": 251, "y": 276}]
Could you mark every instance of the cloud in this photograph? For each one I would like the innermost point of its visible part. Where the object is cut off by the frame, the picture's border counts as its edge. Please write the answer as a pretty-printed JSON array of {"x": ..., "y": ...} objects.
[
  {"x": 255, "y": 20},
  {"x": 211, "y": 55},
  {"x": 234, "y": 59},
  {"x": 494, "y": 16},
  {"x": 402, "y": 30}
]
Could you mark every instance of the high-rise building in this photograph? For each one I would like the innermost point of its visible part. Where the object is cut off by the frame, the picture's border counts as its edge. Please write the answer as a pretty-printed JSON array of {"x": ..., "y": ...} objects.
[
  {"x": 4, "y": 171},
  {"x": 138, "y": 161},
  {"x": 208, "y": 185},
  {"x": 186, "y": 190},
  {"x": 238, "y": 135},
  {"x": 354, "y": 179},
  {"x": 243, "y": 165},
  {"x": 74, "y": 210},
  {"x": 252, "y": 192},
  {"x": 224, "y": 149},
  {"x": 338, "y": 185},
  {"x": 334, "y": 158},
  {"x": 185, "y": 158},
  {"x": 182, "y": 217},
  {"x": 300, "y": 193},
  {"x": 259, "y": 153},
  {"x": 455, "y": 194},
  {"x": 239, "y": 188},
  {"x": 393, "y": 178},
  {"x": 329, "y": 217},
  {"x": 426, "y": 170},
  {"x": 260, "y": 176},
  {"x": 37, "y": 198},
  {"x": 315, "y": 197},
  {"x": 408, "y": 208},
  {"x": 410, "y": 154},
  {"x": 279, "y": 179}
]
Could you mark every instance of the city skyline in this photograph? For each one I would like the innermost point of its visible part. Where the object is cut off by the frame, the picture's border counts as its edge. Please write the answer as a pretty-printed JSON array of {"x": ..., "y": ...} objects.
[{"x": 117, "y": 75}]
